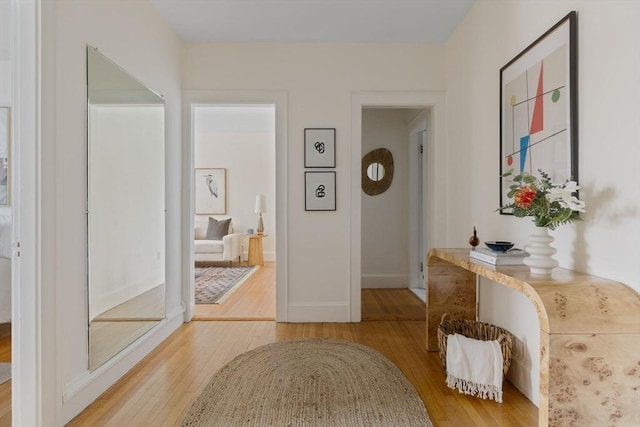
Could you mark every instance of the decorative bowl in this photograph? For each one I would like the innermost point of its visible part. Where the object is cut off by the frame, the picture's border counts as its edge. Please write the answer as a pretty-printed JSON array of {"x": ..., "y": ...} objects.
[{"x": 499, "y": 246}]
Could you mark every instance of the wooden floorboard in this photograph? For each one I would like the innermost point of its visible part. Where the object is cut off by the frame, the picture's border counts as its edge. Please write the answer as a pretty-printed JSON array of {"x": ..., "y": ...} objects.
[
  {"x": 5, "y": 342},
  {"x": 161, "y": 388},
  {"x": 255, "y": 299},
  {"x": 5, "y": 389},
  {"x": 392, "y": 304}
]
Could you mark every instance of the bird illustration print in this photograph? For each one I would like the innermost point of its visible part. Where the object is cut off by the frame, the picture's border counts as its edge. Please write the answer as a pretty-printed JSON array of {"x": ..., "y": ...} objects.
[{"x": 213, "y": 186}]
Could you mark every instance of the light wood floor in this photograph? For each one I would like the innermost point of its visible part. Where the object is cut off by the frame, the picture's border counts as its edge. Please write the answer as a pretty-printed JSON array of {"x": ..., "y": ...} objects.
[
  {"x": 392, "y": 304},
  {"x": 5, "y": 389},
  {"x": 161, "y": 388},
  {"x": 255, "y": 299},
  {"x": 5, "y": 342}
]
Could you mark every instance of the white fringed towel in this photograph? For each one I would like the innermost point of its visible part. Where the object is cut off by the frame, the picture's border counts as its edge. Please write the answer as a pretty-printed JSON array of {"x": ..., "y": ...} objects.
[{"x": 474, "y": 367}]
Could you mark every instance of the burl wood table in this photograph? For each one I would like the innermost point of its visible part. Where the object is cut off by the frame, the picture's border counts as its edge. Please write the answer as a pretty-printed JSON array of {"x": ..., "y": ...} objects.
[{"x": 589, "y": 335}]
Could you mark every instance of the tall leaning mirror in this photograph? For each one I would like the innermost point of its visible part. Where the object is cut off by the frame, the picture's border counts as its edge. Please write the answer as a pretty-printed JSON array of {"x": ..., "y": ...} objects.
[{"x": 125, "y": 208}]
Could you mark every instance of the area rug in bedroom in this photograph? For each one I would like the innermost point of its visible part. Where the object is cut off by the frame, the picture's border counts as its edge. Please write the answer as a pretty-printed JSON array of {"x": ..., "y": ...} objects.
[
  {"x": 5, "y": 372},
  {"x": 309, "y": 382},
  {"x": 215, "y": 284}
]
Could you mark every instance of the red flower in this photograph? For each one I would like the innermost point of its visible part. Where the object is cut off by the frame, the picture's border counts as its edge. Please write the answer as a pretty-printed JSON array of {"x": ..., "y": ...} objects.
[{"x": 524, "y": 196}]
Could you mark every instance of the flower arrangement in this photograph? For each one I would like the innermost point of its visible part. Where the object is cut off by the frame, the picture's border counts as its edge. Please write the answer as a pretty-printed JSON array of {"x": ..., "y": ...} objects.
[{"x": 550, "y": 205}]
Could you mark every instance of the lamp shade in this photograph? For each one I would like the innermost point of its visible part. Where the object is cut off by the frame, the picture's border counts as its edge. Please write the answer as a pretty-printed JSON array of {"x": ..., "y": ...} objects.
[{"x": 261, "y": 203}]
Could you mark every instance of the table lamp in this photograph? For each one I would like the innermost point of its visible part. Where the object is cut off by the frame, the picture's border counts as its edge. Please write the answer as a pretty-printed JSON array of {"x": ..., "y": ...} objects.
[{"x": 261, "y": 206}]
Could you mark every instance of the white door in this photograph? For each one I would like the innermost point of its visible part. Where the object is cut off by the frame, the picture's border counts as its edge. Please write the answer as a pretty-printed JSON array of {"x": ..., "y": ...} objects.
[
  {"x": 417, "y": 204},
  {"x": 422, "y": 229}
]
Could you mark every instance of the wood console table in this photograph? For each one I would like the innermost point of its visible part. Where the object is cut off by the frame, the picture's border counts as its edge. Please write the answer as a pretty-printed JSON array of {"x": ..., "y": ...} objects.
[{"x": 589, "y": 335}]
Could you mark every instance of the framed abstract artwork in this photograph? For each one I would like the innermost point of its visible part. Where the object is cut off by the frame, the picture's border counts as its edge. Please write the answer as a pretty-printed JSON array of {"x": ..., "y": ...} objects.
[
  {"x": 320, "y": 191},
  {"x": 320, "y": 148},
  {"x": 211, "y": 191},
  {"x": 538, "y": 108}
]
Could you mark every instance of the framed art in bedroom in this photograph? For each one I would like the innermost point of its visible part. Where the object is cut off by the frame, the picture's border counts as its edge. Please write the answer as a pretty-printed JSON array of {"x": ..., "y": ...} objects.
[{"x": 211, "y": 191}]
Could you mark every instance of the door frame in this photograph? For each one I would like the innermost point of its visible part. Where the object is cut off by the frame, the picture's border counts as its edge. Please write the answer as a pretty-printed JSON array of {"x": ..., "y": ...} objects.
[
  {"x": 193, "y": 98},
  {"x": 434, "y": 102},
  {"x": 33, "y": 355}
]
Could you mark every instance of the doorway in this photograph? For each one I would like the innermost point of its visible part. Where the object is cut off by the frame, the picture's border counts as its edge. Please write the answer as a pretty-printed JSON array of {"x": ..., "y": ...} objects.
[
  {"x": 392, "y": 218},
  {"x": 434, "y": 201},
  {"x": 240, "y": 206},
  {"x": 234, "y": 179}
]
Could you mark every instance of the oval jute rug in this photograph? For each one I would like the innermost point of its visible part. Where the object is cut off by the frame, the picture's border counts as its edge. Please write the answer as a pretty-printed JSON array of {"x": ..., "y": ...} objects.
[{"x": 309, "y": 382}]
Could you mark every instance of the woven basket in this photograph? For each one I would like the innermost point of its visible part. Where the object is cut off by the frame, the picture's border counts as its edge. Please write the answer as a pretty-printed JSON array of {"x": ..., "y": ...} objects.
[{"x": 476, "y": 330}]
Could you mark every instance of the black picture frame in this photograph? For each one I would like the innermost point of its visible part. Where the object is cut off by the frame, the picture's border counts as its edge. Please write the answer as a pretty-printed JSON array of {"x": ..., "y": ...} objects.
[
  {"x": 539, "y": 108},
  {"x": 320, "y": 191},
  {"x": 319, "y": 148}
]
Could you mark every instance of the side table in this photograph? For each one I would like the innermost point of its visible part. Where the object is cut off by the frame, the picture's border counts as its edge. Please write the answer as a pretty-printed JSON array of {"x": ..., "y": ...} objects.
[{"x": 256, "y": 256}]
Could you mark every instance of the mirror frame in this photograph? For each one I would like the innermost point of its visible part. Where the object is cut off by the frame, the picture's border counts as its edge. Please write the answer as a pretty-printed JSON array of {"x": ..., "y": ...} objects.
[{"x": 385, "y": 158}]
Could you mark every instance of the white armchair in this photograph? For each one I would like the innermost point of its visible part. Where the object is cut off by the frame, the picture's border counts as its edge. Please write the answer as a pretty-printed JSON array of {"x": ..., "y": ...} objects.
[{"x": 229, "y": 248}]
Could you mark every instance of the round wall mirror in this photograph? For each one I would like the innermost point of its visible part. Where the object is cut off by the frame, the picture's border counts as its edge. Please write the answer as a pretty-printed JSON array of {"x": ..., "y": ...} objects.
[{"x": 377, "y": 171}]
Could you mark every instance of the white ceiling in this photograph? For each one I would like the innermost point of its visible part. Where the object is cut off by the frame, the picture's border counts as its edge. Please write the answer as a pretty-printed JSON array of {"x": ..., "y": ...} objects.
[{"x": 328, "y": 21}]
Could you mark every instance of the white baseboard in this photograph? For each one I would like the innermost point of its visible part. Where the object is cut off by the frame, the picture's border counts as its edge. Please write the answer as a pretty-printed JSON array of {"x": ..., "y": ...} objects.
[
  {"x": 83, "y": 390},
  {"x": 420, "y": 293},
  {"x": 381, "y": 281},
  {"x": 313, "y": 313}
]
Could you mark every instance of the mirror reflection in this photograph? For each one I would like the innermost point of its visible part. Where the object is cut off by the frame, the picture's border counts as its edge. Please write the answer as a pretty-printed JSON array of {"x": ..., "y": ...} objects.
[
  {"x": 4, "y": 155},
  {"x": 126, "y": 208},
  {"x": 375, "y": 171}
]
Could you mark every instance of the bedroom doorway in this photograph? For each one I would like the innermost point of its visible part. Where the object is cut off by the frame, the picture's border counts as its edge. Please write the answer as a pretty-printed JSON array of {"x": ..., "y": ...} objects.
[{"x": 234, "y": 180}]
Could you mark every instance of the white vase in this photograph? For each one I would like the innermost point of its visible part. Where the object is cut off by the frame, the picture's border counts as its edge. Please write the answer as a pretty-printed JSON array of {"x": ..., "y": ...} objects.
[{"x": 541, "y": 252}]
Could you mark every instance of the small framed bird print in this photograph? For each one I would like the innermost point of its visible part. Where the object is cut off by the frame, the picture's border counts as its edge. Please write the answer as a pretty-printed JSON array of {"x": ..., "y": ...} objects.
[{"x": 211, "y": 191}]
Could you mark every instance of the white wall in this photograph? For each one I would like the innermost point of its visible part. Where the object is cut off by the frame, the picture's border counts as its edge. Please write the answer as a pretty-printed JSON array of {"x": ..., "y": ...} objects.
[
  {"x": 385, "y": 229},
  {"x": 320, "y": 80},
  {"x": 134, "y": 36},
  {"x": 607, "y": 243},
  {"x": 6, "y": 64},
  {"x": 241, "y": 138}
]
